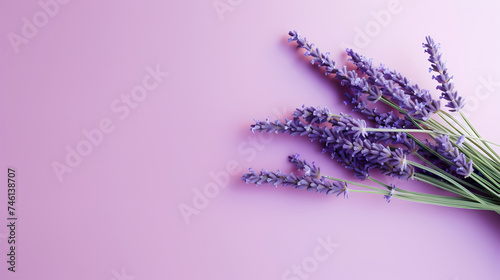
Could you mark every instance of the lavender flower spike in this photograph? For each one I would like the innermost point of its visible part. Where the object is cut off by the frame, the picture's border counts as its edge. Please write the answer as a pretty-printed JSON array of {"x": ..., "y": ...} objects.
[
  {"x": 447, "y": 87},
  {"x": 323, "y": 60},
  {"x": 310, "y": 181},
  {"x": 306, "y": 182}
]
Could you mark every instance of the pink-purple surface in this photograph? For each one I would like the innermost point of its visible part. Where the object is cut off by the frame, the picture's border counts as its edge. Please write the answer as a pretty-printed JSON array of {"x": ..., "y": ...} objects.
[{"x": 131, "y": 208}]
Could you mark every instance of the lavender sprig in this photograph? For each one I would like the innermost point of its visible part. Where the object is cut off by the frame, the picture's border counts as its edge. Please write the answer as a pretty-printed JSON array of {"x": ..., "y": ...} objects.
[
  {"x": 310, "y": 181},
  {"x": 446, "y": 85}
]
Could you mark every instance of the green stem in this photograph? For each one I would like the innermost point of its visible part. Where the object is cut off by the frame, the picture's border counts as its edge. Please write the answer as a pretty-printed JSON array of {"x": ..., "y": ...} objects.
[
  {"x": 447, "y": 178},
  {"x": 450, "y": 202},
  {"x": 430, "y": 132},
  {"x": 443, "y": 172},
  {"x": 440, "y": 200},
  {"x": 441, "y": 113},
  {"x": 477, "y": 134}
]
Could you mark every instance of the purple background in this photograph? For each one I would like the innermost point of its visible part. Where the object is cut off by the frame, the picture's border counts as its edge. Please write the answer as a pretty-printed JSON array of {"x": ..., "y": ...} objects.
[{"x": 116, "y": 213}]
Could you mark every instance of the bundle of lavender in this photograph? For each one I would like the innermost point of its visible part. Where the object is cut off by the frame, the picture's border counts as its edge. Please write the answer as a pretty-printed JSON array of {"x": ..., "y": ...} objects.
[{"x": 453, "y": 156}]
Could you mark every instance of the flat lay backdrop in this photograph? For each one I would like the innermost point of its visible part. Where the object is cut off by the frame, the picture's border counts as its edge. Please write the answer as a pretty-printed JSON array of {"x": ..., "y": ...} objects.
[{"x": 127, "y": 123}]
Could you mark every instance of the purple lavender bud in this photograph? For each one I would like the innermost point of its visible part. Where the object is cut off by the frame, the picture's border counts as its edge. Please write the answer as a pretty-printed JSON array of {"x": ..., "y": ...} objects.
[
  {"x": 460, "y": 164},
  {"x": 359, "y": 105},
  {"x": 313, "y": 115},
  {"x": 352, "y": 126},
  {"x": 250, "y": 177},
  {"x": 411, "y": 145},
  {"x": 311, "y": 169},
  {"x": 294, "y": 36},
  {"x": 446, "y": 85},
  {"x": 390, "y": 120},
  {"x": 391, "y": 194},
  {"x": 399, "y": 159},
  {"x": 375, "y": 152},
  {"x": 374, "y": 94},
  {"x": 460, "y": 140},
  {"x": 392, "y": 163}
]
